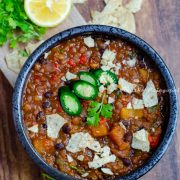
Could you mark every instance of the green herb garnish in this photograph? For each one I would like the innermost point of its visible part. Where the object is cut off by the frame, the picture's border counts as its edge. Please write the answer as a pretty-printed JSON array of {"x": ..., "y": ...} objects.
[
  {"x": 15, "y": 25},
  {"x": 77, "y": 169},
  {"x": 47, "y": 177},
  {"x": 96, "y": 110}
]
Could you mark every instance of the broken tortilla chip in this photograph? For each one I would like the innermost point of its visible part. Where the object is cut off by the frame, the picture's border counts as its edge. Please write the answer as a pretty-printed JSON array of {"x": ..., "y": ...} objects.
[
  {"x": 79, "y": 1},
  {"x": 134, "y": 5},
  {"x": 12, "y": 61},
  {"x": 126, "y": 20}
]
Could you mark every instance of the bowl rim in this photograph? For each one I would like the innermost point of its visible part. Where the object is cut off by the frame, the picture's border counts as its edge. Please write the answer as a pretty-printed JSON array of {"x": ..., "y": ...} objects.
[{"x": 94, "y": 29}]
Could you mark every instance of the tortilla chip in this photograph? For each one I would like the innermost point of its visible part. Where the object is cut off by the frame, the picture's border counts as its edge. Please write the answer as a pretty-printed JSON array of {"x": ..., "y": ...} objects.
[
  {"x": 111, "y": 6},
  {"x": 126, "y": 19},
  {"x": 22, "y": 60},
  {"x": 32, "y": 46},
  {"x": 12, "y": 61},
  {"x": 79, "y": 1},
  {"x": 134, "y": 5}
]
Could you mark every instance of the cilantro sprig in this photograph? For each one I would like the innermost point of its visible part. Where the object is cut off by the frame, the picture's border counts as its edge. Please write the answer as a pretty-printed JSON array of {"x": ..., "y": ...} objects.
[
  {"x": 15, "y": 25},
  {"x": 96, "y": 110}
]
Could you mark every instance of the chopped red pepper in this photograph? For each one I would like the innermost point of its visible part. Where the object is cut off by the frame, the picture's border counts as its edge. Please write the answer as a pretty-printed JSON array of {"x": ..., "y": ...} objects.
[
  {"x": 83, "y": 59},
  {"x": 154, "y": 141},
  {"x": 71, "y": 63},
  {"x": 102, "y": 120}
]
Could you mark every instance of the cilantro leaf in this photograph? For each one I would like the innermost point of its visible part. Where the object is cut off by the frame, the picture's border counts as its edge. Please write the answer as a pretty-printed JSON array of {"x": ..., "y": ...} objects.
[
  {"x": 15, "y": 26},
  {"x": 106, "y": 110},
  {"x": 93, "y": 120},
  {"x": 94, "y": 107},
  {"x": 96, "y": 110}
]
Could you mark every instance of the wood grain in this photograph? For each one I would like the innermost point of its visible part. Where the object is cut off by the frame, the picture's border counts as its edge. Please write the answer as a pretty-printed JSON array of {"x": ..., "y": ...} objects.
[{"x": 159, "y": 24}]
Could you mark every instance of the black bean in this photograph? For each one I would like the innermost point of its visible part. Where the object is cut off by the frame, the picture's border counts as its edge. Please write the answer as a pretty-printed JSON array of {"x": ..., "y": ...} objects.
[
  {"x": 39, "y": 115},
  {"x": 46, "y": 104},
  {"x": 59, "y": 146},
  {"x": 126, "y": 161},
  {"x": 44, "y": 126},
  {"x": 47, "y": 94},
  {"x": 66, "y": 129},
  {"x": 128, "y": 137}
]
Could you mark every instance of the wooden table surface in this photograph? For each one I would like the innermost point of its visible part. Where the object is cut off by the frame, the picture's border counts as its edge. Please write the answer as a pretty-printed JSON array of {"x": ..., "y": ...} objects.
[{"x": 158, "y": 23}]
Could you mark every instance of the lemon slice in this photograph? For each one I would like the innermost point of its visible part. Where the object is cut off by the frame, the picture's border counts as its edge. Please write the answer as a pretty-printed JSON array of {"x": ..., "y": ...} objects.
[{"x": 47, "y": 13}]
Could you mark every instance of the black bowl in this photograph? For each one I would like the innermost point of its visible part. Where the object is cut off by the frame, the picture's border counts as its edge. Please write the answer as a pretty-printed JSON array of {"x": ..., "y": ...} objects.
[{"x": 107, "y": 31}]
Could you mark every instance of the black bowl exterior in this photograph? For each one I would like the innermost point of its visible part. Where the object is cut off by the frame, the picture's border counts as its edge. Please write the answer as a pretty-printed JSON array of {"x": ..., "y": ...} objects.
[{"x": 103, "y": 30}]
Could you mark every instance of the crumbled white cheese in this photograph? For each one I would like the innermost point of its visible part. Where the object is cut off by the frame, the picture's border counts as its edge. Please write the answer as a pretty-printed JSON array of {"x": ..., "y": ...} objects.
[
  {"x": 123, "y": 126},
  {"x": 110, "y": 100},
  {"x": 70, "y": 76},
  {"x": 107, "y": 171},
  {"x": 105, "y": 151},
  {"x": 117, "y": 68},
  {"x": 96, "y": 157},
  {"x": 109, "y": 55},
  {"x": 89, "y": 41},
  {"x": 54, "y": 124},
  {"x": 105, "y": 78},
  {"x": 79, "y": 141},
  {"x": 126, "y": 86},
  {"x": 107, "y": 42},
  {"x": 34, "y": 128},
  {"x": 46, "y": 55},
  {"x": 69, "y": 158},
  {"x": 150, "y": 97},
  {"x": 105, "y": 68},
  {"x": 131, "y": 62},
  {"x": 140, "y": 140},
  {"x": 101, "y": 89},
  {"x": 63, "y": 78},
  {"x": 124, "y": 62},
  {"x": 107, "y": 60},
  {"x": 95, "y": 146},
  {"x": 85, "y": 175},
  {"x": 101, "y": 161},
  {"x": 80, "y": 157},
  {"x": 111, "y": 88},
  {"x": 129, "y": 105},
  {"x": 137, "y": 103}
]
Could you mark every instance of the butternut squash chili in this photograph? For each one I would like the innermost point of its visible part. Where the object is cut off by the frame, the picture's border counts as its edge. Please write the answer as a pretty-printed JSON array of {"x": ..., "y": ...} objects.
[{"x": 93, "y": 107}]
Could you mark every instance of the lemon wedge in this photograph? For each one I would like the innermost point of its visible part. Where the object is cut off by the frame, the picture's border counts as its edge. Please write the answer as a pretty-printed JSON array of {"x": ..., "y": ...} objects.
[{"x": 47, "y": 13}]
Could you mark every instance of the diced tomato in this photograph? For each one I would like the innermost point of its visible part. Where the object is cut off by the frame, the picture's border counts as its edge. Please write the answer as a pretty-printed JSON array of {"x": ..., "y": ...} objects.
[
  {"x": 54, "y": 78},
  {"x": 83, "y": 59},
  {"x": 59, "y": 108},
  {"x": 154, "y": 141},
  {"x": 37, "y": 77},
  {"x": 102, "y": 120},
  {"x": 71, "y": 63},
  {"x": 56, "y": 65}
]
